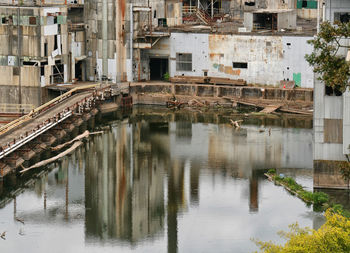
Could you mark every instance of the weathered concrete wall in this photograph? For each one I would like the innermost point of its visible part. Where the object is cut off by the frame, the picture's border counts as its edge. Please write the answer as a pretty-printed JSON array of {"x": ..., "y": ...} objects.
[
  {"x": 9, "y": 94},
  {"x": 336, "y": 6},
  {"x": 327, "y": 174},
  {"x": 221, "y": 91},
  {"x": 269, "y": 59},
  {"x": 328, "y": 125},
  {"x": 295, "y": 67},
  {"x": 263, "y": 55},
  {"x": 195, "y": 44}
]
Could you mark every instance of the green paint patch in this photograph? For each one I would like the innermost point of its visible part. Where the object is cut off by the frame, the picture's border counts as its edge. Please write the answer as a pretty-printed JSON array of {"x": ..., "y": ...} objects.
[
  {"x": 297, "y": 79},
  {"x": 308, "y": 4}
]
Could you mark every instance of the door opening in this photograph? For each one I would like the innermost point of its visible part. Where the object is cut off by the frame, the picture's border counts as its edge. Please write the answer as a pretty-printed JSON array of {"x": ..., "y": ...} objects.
[{"x": 159, "y": 67}]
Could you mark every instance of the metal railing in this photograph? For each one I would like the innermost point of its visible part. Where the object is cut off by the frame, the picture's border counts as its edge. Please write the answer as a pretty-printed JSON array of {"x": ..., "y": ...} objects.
[
  {"x": 34, "y": 112},
  {"x": 86, "y": 102}
]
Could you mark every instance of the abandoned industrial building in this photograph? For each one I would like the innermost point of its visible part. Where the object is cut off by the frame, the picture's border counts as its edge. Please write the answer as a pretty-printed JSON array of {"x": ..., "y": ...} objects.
[
  {"x": 166, "y": 125},
  {"x": 260, "y": 42}
]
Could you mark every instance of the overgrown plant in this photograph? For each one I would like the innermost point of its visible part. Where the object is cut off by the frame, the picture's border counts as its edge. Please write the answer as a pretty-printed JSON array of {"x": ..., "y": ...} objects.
[
  {"x": 333, "y": 236},
  {"x": 332, "y": 67}
]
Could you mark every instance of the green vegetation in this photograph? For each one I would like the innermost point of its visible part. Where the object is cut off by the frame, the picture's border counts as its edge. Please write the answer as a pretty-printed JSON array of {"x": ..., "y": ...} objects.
[
  {"x": 333, "y": 236},
  {"x": 345, "y": 172},
  {"x": 333, "y": 68},
  {"x": 320, "y": 200},
  {"x": 166, "y": 77},
  {"x": 316, "y": 198}
]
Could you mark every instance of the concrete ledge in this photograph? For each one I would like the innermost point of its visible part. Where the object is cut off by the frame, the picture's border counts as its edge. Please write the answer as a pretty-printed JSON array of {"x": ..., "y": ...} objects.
[{"x": 223, "y": 91}]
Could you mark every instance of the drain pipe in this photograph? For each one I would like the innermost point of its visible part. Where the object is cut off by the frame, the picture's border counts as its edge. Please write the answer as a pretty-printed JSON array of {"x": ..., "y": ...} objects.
[
  {"x": 104, "y": 38},
  {"x": 130, "y": 70},
  {"x": 318, "y": 16}
]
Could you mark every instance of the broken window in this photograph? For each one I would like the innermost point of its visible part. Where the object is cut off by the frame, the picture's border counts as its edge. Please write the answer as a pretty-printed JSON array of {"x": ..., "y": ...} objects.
[
  {"x": 343, "y": 17},
  {"x": 183, "y": 62},
  {"x": 32, "y": 20},
  {"x": 162, "y": 22},
  {"x": 265, "y": 21},
  {"x": 240, "y": 65}
]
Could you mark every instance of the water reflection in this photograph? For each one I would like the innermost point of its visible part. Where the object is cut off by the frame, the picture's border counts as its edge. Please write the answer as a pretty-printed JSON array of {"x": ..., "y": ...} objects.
[
  {"x": 129, "y": 198},
  {"x": 170, "y": 182}
]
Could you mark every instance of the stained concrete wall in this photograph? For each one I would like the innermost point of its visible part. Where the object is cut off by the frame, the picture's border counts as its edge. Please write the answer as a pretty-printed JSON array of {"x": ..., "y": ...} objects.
[
  {"x": 328, "y": 110},
  {"x": 333, "y": 6},
  {"x": 346, "y": 122},
  {"x": 195, "y": 44},
  {"x": 295, "y": 67},
  {"x": 268, "y": 57}
]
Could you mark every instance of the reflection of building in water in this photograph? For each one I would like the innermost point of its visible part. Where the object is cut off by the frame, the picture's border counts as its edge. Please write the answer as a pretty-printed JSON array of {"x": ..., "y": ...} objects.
[
  {"x": 253, "y": 193},
  {"x": 125, "y": 193},
  {"x": 249, "y": 149},
  {"x": 242, "y": 153}
]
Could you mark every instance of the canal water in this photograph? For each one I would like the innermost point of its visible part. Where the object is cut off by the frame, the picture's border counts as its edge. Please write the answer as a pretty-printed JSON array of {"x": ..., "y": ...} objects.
[{"x": 163, "y": 181}]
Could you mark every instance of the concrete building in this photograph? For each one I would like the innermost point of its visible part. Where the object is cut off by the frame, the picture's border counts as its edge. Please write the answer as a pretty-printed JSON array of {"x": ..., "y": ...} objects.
[
  {"x": 331, "y": 119},
  {"x": 337, "y": 10},
  {"x": 139, "y": 40},
  {"x": 33, "y": 51}
]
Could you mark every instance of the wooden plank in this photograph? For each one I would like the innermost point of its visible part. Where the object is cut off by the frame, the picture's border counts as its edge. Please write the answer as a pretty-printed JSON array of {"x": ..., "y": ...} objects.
[
  {"x": 227, "y": 81},
  {"x": 270, "y": 108},
  {"x": 295, "y": 111}
]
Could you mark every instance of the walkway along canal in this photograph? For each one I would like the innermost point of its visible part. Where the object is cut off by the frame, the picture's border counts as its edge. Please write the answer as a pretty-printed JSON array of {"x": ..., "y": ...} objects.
[{"x": 28, "y": 136}]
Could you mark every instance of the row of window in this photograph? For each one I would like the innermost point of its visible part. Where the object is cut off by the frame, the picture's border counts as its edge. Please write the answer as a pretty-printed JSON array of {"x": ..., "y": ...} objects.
[
  {"x": 184, "y": 63},
  {"x": 32, "y": 20}
]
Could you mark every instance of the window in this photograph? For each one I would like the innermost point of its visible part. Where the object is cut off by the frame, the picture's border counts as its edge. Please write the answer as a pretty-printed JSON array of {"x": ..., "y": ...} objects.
[
  {"x": 183, "y": 62},
  {"x": 32, "y": 20},
  {"x": 240, "y": 65},
  {"x": 343, "y": 17}
]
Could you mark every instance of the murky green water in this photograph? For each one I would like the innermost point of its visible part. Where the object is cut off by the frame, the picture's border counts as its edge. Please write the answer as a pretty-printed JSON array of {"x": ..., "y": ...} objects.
[{"x": 155, "y": 182}]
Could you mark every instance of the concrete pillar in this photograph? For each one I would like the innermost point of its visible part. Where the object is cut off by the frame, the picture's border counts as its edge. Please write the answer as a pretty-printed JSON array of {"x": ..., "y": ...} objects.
[{"x": 105, "y": 38}]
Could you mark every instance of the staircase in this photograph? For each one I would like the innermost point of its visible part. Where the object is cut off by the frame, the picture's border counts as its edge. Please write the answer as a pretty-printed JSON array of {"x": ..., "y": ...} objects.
[{"x": 203, "y": 16}]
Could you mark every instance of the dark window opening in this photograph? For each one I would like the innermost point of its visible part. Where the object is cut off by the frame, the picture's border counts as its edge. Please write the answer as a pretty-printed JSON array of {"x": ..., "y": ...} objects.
[
  {"x": 183, "y": 62},
  {"x": 155, "y": 14},
  {"x": 16, "y": 71},
  {"x": 55, "y": 43},
  {"x": 58, "y": 73},
  {"x": 42, "y": 70},
  {"x": 265, "y": 21},
  {"x": 304, "y": 4},
  {"x": 4, "y": 20},
  {"x": 240, "y": 65},
  {"x": 249, "y": 3},
  {"x": 343, "y": 17},
  {"x": 29, "y": 63},
  {"x": 332, "y": 91},
  {"x": 32, "y": 20},
  {"x": 289, "y": 44},
  {"x": 162, "y": 22},
  {"x": 45, "y": 49}
]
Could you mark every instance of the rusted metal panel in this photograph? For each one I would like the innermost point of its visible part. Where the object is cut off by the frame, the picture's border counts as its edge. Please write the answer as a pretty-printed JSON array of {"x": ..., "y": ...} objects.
[{"x": 333, "y": 130}]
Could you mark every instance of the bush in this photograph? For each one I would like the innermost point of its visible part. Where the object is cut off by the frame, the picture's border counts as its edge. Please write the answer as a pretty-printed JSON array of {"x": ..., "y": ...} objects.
[
  {"x": 307, "y": 196},
  {"x": 320, "y": 198},
  {"x": 166, "y": 76},
  {"x": 271, "y": 171},
  {"x": 333, "y": 236}
]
